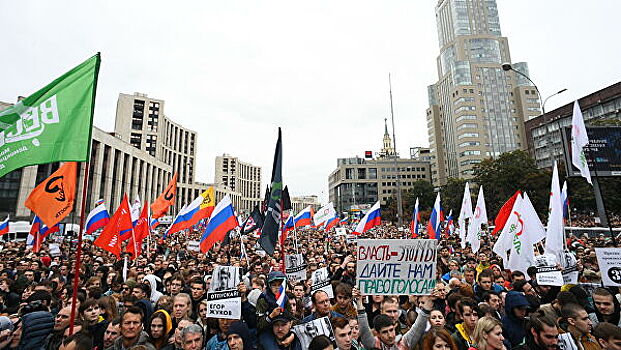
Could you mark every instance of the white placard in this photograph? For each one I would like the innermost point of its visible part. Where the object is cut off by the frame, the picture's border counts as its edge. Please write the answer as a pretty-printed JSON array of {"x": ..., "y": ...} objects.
[
  {"x": 223, "y": 300},
  {"x": 295, "y": 268},
  {"x": 548, "y": 273},
  {"x": 54, "y": 249},
  {"x": 194, "y": 246},
  {"x": 396, "y": 266},
  {"x": 570, "y": 269},
  {"x": 609, "y": 261},
  {"x": 309, "y": 330},
  {"x": 321, "y": 281}
]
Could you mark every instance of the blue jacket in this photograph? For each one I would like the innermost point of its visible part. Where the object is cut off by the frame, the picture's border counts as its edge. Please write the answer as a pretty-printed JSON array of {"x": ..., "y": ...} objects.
[
  {"x": 36, "y": 326},
  {"x": 514, "y": 328}
]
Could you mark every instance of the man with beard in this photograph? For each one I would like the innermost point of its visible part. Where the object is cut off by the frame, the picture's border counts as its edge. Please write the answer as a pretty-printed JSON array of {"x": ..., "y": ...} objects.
[
  {"x": 542, "y": 334},
  {"x": 607, "y": 308},
  {"x": 577, "y": 326},
  {"x": 61, "y": 322}
]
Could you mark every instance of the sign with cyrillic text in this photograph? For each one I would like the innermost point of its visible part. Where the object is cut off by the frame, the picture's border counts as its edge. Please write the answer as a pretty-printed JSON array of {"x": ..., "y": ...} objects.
[
  {"x": 396, "y": 266},
  {"x": 223, "y": 300},
  {"x": 609, "y": 261}
]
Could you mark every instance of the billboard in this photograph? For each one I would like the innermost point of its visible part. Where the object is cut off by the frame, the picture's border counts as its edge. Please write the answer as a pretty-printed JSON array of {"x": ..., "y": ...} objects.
[{"x": 604, "y": 148}]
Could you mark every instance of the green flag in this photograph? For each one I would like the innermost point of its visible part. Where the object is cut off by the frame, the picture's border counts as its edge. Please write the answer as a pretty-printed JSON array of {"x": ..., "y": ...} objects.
[{"x": 53, "y": 124}]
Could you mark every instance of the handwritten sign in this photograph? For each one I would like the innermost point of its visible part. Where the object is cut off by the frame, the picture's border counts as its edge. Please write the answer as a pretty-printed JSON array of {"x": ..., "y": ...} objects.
[
  {"x": 609, "y": 261},
  {"x": 396, "y": 266}
]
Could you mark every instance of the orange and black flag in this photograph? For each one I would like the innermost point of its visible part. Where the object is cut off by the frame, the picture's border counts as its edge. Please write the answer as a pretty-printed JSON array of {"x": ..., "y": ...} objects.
[
  {"x": 53, "y": 199},
  {"x": 160, "y": 207}
]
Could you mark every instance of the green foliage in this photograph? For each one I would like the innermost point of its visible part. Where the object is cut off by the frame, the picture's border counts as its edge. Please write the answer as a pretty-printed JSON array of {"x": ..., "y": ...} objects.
[
  {"x": 451, "y": 195},
  {"x": 510, "y": 172}
]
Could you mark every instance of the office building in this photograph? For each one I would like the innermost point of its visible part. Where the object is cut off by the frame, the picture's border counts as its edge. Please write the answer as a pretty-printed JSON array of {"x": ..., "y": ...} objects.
[
  {"x": 300, "y": 202},
  {"x": 138, "y": 159},
  {"x": 476, "y": 109},
  {"x": 543, "y": 133},
  {"x": 357, "y": 181},
  {"x": 240, "y": 177}
]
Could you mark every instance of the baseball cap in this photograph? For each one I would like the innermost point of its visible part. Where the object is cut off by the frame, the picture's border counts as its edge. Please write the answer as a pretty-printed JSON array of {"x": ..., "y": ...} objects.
[{"x": 275, "y": 275}]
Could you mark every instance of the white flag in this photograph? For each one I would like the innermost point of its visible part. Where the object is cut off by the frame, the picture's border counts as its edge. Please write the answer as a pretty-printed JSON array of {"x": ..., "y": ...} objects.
[
  {"x": 324, "y": 214},
  {"x": 479, "y": 218},
  {"x": 135, "y": 209},
  {"x": 555, "y": 233},
  {"x": 533, "y": 228},
  {"x": 465, "y": 213},
  {"x": 579, "y": 139},
  {"x": 513, "y": 225}
]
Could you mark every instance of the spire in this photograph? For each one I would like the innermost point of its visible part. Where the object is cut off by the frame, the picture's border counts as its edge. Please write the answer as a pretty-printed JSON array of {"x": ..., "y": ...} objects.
[
  {"x": 386, "y": 127},
  {"x": 387, "y": 150}
]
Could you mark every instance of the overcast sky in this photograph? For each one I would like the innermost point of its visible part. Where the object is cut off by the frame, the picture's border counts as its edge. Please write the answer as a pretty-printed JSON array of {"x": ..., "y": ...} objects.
[{"x": 236, "y": 70}]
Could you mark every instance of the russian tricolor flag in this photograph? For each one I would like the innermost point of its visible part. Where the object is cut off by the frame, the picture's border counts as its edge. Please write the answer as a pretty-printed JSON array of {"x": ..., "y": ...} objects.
[
  {"x": 371, "y": 219},
  {"x": 281, "y": 295},
  {"x": 289, "y": 224},
  {"x": 437, "y": 216},
  {"x": 222, "y": 221},
  {"x": 303, "y": 218},
  {"x": 450, "y": 225},
  {"x": 38, "y": 232},
  {"x": 154, "y": 223},
  {"x": 97, "y": 218},
  {"x": 4, "y": 226},
  {"x": 344, "y": 221},
  {"x": 415, "y": 220},
  {"x": 331, "y": 223}
]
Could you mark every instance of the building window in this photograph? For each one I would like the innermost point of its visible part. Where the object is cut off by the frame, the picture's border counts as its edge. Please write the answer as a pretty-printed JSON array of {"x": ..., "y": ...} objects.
[{"x": 135, "y": 140}]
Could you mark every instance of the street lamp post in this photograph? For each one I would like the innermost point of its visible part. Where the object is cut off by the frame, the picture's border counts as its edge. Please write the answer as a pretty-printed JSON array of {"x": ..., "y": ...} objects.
[{"x": 508, "y": 67}]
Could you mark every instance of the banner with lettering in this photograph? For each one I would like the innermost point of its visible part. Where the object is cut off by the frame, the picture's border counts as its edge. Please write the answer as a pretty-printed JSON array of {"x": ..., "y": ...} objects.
[
  {"x": 53, "y": 124},
  {"x": 295, "y": 267},
  {"x": 396, "y": 266},
  {"x": 223, "y": 300}
]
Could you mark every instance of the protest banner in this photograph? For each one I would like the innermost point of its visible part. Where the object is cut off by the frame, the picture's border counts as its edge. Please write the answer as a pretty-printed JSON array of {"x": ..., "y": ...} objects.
[
  {"x": 548, "y": 273},
  {"x": 309, "y": 330},
  {"x": 193, "y": 246},
  {"x": 609, "y": 261},
  {"x": 570, "y": 269},
  {"x": 321, "y": 281},
  {"x": 295, "y": 268},
  {"x": 396, "y": 266},
  {"x": 223, "y": 300}
]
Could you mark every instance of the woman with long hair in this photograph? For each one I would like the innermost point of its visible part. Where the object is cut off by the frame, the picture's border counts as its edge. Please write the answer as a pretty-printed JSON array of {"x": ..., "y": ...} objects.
[
  {"x": 108, "y": 308},
  {"x": 488, "y": 334},
  {"x": 438, "y": 339},
  {"x": 159, "y": 329}
]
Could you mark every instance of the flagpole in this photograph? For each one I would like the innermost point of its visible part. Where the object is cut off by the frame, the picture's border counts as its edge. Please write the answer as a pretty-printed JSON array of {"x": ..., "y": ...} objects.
[
  {"x": 78, "y": 254},
  {"x": 295, "y": 237}
]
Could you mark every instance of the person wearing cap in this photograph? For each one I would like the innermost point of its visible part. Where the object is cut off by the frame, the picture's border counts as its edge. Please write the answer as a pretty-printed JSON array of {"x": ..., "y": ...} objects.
[
  {"x": 279, "y": 336},
  {"x": 267, "y": 306},
  {"x": 514, "y": 321}
]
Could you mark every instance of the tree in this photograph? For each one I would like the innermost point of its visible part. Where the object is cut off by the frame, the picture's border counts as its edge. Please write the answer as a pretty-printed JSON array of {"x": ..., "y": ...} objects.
[
  {"x": 421, "y": 189},
  {"x": 510, "y": 172},
  {"x": 452, "y": 194}
]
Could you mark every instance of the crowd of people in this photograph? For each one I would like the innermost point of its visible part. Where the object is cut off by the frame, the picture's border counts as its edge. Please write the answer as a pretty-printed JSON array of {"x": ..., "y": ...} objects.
[{"x": 159, "y": 300}]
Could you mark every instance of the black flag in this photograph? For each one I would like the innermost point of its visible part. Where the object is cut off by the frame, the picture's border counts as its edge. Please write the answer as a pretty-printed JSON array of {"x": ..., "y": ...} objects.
[
  {"x": 266, "y": 200},
  {"x": 273, "y": 215},
  {"x": 253, "y": 222},
  {"x": 286, "y": 200}
]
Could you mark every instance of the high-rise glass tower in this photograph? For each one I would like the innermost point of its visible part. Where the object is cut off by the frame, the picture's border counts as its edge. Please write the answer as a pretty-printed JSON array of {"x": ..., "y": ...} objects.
[{"x": 476, "y": 109}]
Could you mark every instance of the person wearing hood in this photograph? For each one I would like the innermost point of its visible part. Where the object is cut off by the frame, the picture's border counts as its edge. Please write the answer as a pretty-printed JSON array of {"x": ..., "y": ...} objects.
[
  {"x": 238, "y": 336},
  {"x": 514, "y": 320},
  {"x": 267, "y": 307},
  {"x": 159, "y": 330},
  {"x": 153, "y": 281},
  {"x": 607, "y": 308}
]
